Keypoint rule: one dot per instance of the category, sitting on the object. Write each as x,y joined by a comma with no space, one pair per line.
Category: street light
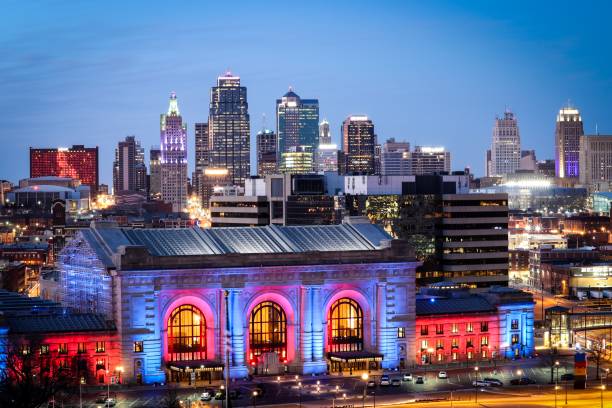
603,387
556,388
254,397
364,377
476,391
300,392
81,382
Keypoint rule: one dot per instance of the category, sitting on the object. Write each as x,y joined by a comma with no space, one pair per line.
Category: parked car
206,396
407,377
567,377
419,380
480,383
220,395
522,381
384,380
396,382
494,382
442,375
371,384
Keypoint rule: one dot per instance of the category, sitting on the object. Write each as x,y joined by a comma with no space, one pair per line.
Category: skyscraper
77,162
358,143
429,160
202,153
395,158
506,146
129,170
297,124
155,172
596,162
229,128
266,152
324,132
567,142
174,157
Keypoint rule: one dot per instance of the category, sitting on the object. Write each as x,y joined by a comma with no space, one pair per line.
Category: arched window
186,334
345,325
268,330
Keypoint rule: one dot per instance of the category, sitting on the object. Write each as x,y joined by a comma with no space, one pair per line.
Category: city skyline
100,80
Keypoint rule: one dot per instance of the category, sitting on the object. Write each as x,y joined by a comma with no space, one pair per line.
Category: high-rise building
429,160
77,162
155,172
506,146
297,123
129,170
395,158
488,164
528,160
567,142
266,152
324,133
229,128
298,160
596,162
358,143
174,157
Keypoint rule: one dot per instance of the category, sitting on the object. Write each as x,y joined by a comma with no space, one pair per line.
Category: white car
384,380
442,375
407,377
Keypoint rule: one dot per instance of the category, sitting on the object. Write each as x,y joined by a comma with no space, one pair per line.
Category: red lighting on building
78,162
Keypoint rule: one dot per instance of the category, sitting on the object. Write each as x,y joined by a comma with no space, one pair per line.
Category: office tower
155,172
298,160
358,143
266,152
324,133
395,158
77,162
528,160
174,157
326,158
297,123
429,160
377,158
129,170
202,154
596,162
546,167
567,142
506,146
229,128
488,164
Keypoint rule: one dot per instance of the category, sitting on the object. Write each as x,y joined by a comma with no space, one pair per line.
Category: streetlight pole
81,382
254,398
476,369
300,392
603,387
364,377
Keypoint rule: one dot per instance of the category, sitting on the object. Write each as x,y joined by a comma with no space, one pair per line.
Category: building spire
173,109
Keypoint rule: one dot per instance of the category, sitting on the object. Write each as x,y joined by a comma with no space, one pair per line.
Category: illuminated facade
596,162
77,162
429,160
568,131
229,128
129,170
358,144
297,123
175,291
174,157
154,172
266,152
297,160
457,327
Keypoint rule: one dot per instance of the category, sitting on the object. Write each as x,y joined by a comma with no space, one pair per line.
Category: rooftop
453,305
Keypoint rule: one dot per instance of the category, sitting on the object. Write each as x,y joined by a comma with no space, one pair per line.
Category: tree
29,379
171,399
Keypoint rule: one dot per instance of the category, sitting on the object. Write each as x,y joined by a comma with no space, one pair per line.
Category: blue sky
431,72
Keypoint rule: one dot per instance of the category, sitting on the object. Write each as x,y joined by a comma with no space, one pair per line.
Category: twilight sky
429,72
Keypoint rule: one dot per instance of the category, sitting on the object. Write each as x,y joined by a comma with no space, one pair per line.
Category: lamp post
254,397
364,377
300,391
556,388
603,387
81,382
557,368
476,392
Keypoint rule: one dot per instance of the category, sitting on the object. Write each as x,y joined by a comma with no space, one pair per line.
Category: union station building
258,300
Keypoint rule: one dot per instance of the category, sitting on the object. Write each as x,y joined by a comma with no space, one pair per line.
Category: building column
384,340
237,367
305,324
317,325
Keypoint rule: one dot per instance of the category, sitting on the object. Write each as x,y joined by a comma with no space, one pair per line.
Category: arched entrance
267,337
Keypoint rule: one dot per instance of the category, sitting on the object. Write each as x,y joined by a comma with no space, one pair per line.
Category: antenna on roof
596,129
263,121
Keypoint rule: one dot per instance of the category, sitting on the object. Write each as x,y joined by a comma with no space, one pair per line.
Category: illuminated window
515,339
100,364
440,357
268,330
470,355
515,324
424,330
439,329
100,347
44,349
483,353
424,344
81,348
484,326
345,326
138,347
62,348
455,342
440,344
401,332
25,349
455,356
484,341
186,334
469,327
455,328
